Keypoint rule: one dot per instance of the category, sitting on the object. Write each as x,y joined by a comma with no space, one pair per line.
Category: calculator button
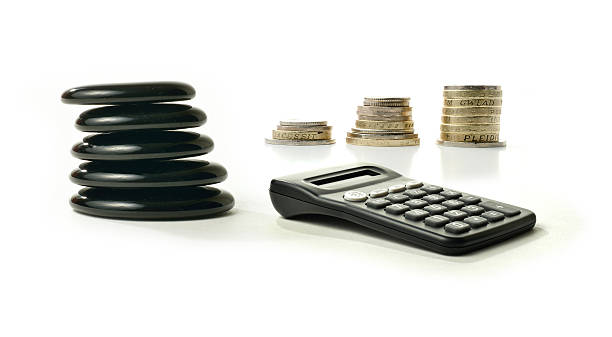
505,210
355,196
435,209
432,189
473,209
434,198
413,184
470,199
453,204
397,198
397,209
416,214
415,194
377,203
436,221
457,227
381,192
455,215
416,203
475,221
448,194
492,215
397,188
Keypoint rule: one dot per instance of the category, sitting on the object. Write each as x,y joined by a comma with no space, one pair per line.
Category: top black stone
128,93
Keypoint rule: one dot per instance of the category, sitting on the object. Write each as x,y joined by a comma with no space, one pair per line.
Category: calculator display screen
333,178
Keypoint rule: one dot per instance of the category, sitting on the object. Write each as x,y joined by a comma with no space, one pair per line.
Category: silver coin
302,122
303,128
472,87
384,118
382,136
382,131
462,144
300,142
384,110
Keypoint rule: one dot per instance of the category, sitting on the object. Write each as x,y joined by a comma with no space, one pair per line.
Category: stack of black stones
133,170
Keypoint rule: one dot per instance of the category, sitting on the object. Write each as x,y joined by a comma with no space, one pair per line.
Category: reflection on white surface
469,163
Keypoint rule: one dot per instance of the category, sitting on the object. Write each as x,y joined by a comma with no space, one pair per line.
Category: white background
253,273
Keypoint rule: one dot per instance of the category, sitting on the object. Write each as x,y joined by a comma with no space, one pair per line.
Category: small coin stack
385,121
301,132
471,115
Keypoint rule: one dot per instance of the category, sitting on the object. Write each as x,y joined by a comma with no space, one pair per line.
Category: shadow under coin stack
302,132
471,116
133,169
384,122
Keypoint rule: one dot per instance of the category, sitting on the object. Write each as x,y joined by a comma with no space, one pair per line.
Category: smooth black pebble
122,93
152,203
140,117
148,173
138,145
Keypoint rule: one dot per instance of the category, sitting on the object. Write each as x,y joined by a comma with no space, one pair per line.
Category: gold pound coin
382,142
366,124
300,142
472,102
470,119
471,93
301,135
387,101
461,144
472,87
469,128
382,135
471,111
470,137
384,110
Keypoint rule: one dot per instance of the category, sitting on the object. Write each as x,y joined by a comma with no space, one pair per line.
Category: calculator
433,217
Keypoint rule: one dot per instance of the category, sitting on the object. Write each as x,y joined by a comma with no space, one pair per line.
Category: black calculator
443,220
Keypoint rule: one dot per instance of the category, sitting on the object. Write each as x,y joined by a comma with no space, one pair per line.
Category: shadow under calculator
327,226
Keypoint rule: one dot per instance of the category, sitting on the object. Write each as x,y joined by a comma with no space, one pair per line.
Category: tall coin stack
471,116
301,132
384,121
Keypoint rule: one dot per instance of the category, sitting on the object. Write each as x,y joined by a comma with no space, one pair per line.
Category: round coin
300,142
469,128
382,131
471,111
302,122
472,87
467,137
461,144
470,119
384,118
472,102
471,93
385,110
366,124
303,128
382,135
301,135
382,142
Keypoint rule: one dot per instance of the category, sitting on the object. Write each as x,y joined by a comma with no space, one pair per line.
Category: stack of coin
385,121
471,115
301,132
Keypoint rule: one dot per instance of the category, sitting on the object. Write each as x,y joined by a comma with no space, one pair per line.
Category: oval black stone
122,93
136,145
152,203
148,173
139,117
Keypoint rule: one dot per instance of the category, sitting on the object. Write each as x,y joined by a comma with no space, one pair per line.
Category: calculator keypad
435,207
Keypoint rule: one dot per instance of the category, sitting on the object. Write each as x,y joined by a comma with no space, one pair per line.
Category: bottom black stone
152,203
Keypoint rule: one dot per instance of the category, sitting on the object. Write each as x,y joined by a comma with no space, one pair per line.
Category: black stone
148,173
136,145
140,116
122,93
152,203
